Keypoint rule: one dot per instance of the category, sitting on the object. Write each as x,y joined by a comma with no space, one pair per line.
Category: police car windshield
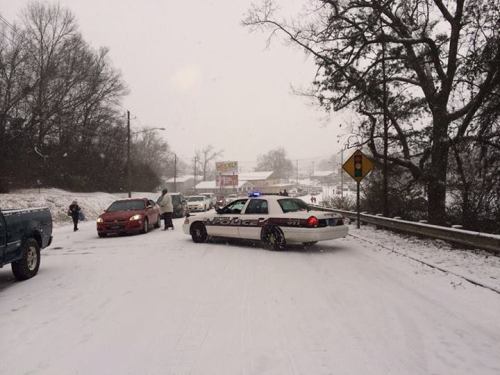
127,205
292,205
195,199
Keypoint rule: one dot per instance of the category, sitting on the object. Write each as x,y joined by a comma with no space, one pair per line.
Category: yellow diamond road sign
358,165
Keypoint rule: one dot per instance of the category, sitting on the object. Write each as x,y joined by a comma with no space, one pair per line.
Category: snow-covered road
160,304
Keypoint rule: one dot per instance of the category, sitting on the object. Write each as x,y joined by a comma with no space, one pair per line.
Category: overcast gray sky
193,69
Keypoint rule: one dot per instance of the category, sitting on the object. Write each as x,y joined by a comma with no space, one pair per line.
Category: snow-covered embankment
58,201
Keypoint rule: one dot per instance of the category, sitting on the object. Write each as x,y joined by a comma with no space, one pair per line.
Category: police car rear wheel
199,232
273,238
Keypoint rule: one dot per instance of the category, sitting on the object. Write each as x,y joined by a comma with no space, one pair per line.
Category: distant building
324,177
260,180
181,184
247,181
211,187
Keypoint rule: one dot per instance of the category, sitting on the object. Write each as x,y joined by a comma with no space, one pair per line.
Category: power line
9,25
4,20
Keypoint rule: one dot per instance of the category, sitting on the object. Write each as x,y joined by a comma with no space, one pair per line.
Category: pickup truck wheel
198,232
102,235
28,265
273,237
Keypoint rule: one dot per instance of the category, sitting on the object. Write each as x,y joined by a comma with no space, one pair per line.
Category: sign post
358,166
227,172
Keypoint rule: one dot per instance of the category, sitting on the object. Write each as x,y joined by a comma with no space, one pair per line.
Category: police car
274,220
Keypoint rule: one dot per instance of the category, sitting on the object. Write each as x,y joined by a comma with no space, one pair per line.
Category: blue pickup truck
23,233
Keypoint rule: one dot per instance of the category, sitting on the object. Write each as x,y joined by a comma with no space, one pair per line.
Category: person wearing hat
74,212
166,209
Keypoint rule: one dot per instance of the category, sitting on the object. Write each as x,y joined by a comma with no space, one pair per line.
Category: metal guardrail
477,240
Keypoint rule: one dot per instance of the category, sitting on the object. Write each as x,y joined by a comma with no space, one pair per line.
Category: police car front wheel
199,232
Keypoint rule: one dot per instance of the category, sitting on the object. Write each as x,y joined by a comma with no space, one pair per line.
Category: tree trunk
436,180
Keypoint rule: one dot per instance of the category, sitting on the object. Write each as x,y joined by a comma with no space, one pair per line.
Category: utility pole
386,146
195,161
175,172
128,155
341,172
297,173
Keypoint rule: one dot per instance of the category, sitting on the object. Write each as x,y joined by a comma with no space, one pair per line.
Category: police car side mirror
219,210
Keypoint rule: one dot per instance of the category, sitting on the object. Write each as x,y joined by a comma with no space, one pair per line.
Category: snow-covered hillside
58,200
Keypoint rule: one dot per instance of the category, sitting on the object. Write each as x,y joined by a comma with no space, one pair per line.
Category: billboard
227,181
227,173
226,168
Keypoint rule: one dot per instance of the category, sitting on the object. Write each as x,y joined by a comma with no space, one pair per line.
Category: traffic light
358,165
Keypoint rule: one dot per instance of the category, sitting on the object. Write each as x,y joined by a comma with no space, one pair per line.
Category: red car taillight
312,222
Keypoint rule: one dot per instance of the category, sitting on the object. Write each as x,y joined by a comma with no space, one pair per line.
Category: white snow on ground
160,304
476,265
58,201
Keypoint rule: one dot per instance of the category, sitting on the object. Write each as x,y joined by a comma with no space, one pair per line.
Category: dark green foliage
406,197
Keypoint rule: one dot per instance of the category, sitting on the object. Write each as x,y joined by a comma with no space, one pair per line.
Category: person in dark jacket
285,193
74,212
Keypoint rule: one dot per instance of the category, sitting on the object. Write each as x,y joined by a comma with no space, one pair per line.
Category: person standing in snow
74,212
166,209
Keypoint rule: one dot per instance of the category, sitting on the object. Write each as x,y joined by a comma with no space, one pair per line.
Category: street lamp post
128,155
175,172
129,134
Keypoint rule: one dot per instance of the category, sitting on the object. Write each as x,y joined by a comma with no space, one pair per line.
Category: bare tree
276,161
205,156
442,59
149,149
58,100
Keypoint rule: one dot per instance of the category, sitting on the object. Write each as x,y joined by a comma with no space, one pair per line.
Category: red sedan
129,216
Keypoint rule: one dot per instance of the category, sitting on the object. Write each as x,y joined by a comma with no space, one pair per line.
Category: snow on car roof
131,199
271,197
